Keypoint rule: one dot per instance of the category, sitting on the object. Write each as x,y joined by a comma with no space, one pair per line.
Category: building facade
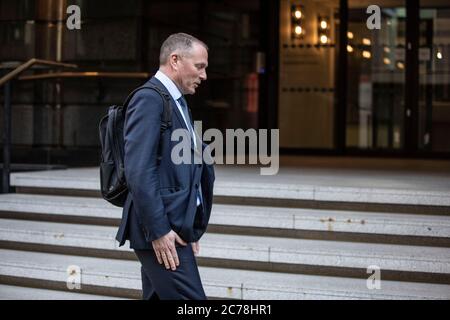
311,68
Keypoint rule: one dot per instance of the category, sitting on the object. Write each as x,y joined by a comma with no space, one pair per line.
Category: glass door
434,76
376,77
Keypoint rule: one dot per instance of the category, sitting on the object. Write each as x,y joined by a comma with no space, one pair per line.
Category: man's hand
165,249
195,247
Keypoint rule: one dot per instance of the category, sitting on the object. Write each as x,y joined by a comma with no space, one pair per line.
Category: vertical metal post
7,138
341,83
411,130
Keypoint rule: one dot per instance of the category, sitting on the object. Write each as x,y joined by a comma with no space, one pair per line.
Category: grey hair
178,41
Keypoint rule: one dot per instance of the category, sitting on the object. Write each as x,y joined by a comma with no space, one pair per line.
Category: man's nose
203,76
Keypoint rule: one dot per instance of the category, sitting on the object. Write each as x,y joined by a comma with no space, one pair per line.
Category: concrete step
26,293
397,262
415,229
122,278
290,187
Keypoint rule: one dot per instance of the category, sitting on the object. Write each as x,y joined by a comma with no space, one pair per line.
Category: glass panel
308,55
17,29
434,71
376,73
231,29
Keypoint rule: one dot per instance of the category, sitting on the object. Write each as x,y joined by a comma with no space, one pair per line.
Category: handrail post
6,80
6,138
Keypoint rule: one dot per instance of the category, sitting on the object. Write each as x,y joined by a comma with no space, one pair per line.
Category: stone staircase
269,238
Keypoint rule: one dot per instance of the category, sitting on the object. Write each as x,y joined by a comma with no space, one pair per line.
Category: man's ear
173,60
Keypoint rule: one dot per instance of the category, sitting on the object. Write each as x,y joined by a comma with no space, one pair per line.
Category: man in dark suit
169,205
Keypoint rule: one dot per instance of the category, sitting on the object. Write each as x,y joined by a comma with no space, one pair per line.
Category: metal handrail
88,74
6,80
11,75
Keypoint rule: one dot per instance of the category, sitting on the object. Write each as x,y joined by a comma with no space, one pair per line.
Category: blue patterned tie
183,105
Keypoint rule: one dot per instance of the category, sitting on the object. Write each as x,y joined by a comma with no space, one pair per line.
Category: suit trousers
158,283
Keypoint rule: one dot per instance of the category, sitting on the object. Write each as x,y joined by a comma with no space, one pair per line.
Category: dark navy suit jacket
162,195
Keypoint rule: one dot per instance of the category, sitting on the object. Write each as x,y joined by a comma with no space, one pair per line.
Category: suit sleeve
141,135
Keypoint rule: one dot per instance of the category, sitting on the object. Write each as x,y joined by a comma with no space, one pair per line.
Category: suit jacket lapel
175,109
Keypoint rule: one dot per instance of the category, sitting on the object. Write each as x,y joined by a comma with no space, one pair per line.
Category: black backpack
113,185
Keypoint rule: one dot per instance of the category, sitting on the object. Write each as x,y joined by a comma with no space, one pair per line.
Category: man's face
192,69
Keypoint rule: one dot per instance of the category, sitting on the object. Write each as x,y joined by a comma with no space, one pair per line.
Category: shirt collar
169,84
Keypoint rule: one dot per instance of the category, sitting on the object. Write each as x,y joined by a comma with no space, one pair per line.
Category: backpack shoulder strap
167,110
